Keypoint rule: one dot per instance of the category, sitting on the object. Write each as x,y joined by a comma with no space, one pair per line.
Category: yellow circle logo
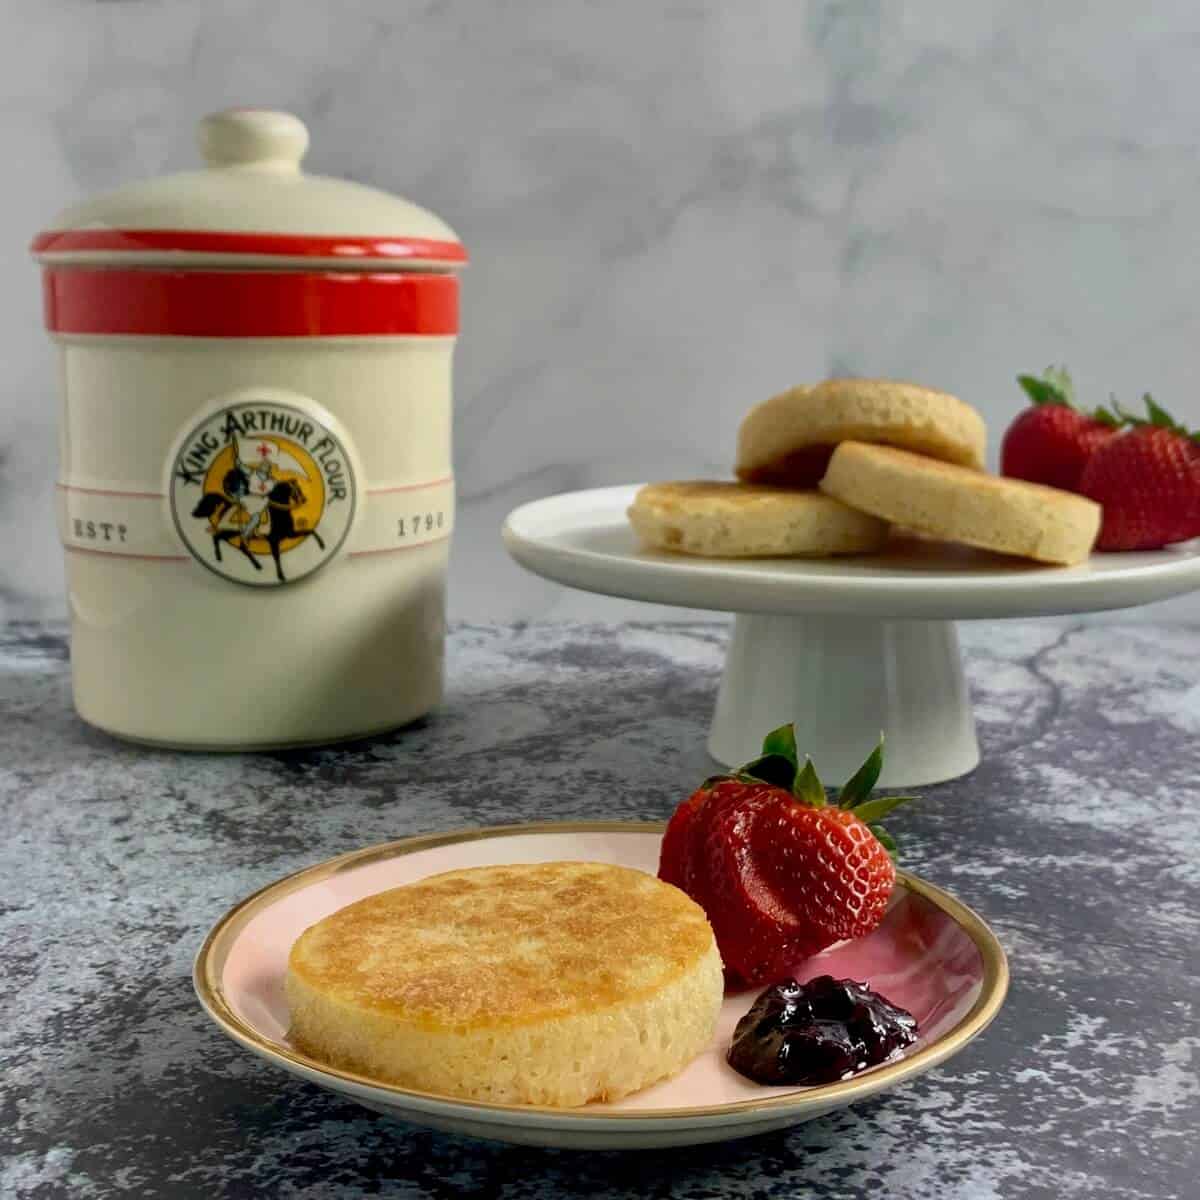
262,493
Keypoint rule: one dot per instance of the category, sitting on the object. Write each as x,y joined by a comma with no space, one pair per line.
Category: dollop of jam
818,1032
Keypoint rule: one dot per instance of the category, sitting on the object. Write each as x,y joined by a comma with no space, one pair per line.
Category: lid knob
253,137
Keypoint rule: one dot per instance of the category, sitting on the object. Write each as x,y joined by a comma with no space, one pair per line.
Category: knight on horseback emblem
257,503
267,482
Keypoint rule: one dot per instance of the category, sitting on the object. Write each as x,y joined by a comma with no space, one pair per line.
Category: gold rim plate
210,961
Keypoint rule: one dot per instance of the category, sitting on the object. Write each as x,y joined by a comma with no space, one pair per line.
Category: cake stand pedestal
843,680
844,648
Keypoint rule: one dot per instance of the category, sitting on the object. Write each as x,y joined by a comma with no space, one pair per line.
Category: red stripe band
155,303
289,245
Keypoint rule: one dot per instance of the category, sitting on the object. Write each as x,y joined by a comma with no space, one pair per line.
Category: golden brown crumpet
961,505
551,983
788,439
717,519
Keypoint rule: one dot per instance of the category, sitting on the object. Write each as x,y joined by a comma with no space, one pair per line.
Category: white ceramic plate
584,540
932,955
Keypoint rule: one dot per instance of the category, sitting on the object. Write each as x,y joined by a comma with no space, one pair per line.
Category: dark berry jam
818,1032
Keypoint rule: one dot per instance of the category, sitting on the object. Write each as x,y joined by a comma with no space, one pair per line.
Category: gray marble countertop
1077,839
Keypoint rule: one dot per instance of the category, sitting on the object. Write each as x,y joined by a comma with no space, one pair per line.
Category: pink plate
931,955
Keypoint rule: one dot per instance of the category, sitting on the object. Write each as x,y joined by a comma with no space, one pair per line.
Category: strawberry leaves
886,840
1055,386
864,779
775,769
877,808
808,788
856,796
782,741
1156,417
1159,416
779,765
779,761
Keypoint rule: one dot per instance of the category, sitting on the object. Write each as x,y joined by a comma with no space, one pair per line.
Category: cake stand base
887,661
843,681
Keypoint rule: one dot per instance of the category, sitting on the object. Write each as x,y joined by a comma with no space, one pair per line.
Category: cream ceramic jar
256,493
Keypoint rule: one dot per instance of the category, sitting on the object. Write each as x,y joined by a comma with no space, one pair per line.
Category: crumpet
788,439
718,519
960,505
546,983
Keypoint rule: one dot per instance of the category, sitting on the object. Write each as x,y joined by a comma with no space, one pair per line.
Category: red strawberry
780,872
1148,483
683,859
1052,441
845,891
753,925
673,857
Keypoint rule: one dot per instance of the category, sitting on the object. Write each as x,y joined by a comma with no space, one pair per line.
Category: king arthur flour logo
262,492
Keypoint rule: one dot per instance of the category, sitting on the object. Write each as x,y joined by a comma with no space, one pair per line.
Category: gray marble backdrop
673,210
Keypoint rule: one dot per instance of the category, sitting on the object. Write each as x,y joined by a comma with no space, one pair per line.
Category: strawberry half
752,923
683,857
674,855
1148,483
1052,441
780,871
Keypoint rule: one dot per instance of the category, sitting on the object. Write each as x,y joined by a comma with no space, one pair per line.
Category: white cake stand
845,647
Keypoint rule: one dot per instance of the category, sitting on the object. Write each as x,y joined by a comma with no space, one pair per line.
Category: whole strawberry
780,871
1148,483
1052,441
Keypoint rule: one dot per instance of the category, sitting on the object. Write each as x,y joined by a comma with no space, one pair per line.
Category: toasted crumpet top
1011,516
920,467
495,947
778,437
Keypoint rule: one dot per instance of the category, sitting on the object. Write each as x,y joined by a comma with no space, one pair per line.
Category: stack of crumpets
827,470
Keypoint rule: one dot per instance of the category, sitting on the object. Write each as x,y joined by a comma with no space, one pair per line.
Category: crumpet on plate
960,505
717,519
788,439
545,983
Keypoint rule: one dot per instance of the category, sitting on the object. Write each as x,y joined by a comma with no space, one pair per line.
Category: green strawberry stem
864,779
876,808
779,761
886,840
779,765
808,786
1156,417
1055,386
774,769
781,741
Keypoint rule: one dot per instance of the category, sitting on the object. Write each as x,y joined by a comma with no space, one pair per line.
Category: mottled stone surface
1076,839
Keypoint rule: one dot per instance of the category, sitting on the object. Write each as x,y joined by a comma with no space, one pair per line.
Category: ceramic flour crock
256,494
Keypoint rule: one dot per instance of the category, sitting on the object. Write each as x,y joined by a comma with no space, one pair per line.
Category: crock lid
251,206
